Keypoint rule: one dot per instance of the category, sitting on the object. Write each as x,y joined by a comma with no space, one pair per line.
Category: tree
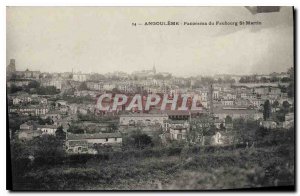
142,140
47,90
82,86
228,120
60,134
33,84
285,79
75,129
263,79
13,89
47,121
222,127
291,86
267,110
286,105
203,126
242,80
113,127
220,80
47,149
102,148
275,104
274,79
290,89
244,130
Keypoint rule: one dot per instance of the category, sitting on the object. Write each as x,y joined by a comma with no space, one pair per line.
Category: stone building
143,119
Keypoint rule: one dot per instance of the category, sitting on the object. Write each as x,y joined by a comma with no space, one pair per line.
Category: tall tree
228,120
267,110
275,104
60,134
286,105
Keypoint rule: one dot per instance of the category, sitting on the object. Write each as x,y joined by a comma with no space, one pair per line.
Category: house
216,139
215,94
53,116
227,102
28,134
221,139
19,83
60,103
143,119
237,112
82,110
96,127
177,130
25,111
57,83
204,104
242,103
65,123
268,124
178,114
84,143
257,102
289,120
21,99
204,95
80,77
229,96
47,129
31,74
94,86
79,147
218,122
275,91
43,101
41,110
73,108
261,90
26,126
109,86
31,110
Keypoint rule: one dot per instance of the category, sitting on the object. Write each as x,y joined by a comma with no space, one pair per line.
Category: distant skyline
102,40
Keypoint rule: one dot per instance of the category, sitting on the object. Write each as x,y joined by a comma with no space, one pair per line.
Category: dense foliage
270,162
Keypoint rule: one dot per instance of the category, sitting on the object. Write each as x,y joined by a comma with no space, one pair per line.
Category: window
116,139
106,139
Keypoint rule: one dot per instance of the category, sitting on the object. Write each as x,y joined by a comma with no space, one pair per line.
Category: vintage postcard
150,98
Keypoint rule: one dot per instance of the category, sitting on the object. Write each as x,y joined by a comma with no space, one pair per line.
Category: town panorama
116,125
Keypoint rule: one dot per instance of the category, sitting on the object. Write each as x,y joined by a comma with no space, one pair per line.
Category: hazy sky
102,39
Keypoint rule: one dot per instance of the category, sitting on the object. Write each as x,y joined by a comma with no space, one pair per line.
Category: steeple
153,69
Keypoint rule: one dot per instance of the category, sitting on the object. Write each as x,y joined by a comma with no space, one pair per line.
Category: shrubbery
270,162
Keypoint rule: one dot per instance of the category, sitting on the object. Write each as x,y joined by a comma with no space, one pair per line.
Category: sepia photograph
193,98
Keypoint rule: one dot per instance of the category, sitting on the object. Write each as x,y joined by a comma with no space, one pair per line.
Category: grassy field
166,168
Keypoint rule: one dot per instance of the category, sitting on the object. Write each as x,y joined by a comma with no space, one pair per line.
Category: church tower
153,69
11,67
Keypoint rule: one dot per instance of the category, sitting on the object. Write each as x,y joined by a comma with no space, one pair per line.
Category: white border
5,3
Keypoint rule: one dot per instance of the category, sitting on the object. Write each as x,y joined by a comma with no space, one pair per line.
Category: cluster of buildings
65,109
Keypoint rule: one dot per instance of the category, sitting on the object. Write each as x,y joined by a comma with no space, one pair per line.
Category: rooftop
143,115
93,136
